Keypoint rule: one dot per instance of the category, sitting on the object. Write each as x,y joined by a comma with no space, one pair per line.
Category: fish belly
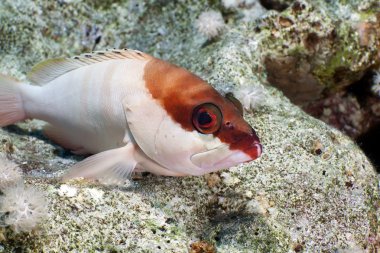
86,104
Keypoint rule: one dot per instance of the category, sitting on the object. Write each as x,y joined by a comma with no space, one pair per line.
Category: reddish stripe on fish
180,91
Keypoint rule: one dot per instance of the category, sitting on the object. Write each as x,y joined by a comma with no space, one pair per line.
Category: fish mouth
254,151
238,157
223,157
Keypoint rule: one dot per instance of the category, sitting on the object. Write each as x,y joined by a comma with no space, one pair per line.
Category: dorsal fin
48,70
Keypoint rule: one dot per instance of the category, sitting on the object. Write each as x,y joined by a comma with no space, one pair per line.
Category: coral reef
319,51
312,189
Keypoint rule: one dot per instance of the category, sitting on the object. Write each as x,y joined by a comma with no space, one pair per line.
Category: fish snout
249,144
255,148
254,151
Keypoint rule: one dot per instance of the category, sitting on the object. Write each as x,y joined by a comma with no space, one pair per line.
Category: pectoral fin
110,167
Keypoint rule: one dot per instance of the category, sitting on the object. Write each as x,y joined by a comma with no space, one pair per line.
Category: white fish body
89,101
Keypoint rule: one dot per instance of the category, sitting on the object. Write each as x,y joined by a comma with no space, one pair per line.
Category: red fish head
238,142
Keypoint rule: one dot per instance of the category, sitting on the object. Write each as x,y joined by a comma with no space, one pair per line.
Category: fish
131,112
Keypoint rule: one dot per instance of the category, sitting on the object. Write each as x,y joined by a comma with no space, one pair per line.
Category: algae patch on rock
312,190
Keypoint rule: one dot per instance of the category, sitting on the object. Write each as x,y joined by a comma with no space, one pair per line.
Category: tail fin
11,105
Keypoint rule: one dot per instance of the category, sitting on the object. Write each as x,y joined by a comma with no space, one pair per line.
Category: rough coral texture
321,47
312,190
343,112
10,173
320,51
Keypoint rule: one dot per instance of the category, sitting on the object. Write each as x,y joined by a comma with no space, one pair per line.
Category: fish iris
207,118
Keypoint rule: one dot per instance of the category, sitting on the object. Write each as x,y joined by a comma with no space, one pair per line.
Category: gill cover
158,135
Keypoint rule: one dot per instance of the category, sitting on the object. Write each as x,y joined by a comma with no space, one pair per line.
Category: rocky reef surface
313,189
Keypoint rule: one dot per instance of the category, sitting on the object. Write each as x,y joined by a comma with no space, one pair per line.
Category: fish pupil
204,119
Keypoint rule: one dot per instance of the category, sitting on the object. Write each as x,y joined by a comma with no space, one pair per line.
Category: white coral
22,208
251,97
210,23
10,173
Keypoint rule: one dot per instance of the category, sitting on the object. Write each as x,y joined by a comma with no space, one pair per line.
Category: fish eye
207,118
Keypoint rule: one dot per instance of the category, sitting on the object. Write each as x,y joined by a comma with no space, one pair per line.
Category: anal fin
113,166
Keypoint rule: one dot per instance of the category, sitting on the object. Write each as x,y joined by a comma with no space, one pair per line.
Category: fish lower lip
236,158
247,155
210,160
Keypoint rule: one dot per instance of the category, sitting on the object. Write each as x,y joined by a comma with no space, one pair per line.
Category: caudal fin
11,107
